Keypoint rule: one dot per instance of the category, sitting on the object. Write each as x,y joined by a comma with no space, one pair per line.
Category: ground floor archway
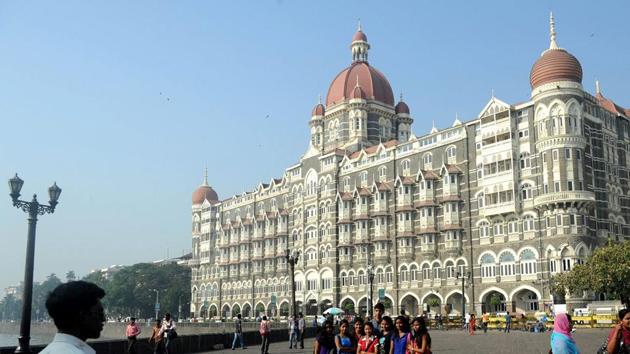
409,304
324,305
453,304
432,304
247,310
272,310
214,311
225,312
493,301
525,301
284,309
311,307
236,309
348,305
260,310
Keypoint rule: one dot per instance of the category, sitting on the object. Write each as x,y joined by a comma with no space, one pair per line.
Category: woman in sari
561,340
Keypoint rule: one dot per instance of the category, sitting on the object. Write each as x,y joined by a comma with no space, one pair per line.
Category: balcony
270,253
404,201
257,254
345,259
428,248
311,241
381,232
380,208
405,228
344,240
361,212
453,246
498,209
344,214
283,228
425,195
577,199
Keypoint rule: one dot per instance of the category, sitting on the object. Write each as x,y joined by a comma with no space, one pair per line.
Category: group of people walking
381,335
162,335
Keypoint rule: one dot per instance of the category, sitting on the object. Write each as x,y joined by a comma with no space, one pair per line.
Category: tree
40,294
10,308
607,271
70,276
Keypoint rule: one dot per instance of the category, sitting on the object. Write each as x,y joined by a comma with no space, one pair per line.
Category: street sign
381,294
157,306
273,299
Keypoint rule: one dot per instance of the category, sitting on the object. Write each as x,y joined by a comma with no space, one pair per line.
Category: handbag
621,348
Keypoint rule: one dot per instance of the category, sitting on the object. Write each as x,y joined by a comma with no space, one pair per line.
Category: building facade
486,210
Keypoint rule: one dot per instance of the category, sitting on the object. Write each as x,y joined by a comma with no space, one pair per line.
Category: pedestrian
471,325
156,338
508,322
301,328
368,343
379,309
315,324
325,340
76,309
485,320
400,336
619,337
168,333
385,341
293,332
357,334
420,340
561,340
238,332
133,330
344,341
264,329
466,321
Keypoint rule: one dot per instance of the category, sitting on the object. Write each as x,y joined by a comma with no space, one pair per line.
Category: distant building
15,291
512,196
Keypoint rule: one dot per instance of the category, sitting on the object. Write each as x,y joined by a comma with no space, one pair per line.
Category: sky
123,103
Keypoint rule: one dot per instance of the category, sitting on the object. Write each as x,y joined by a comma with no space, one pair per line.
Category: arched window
506,263
526,191
528,223
484,229
404,274
389,277
528,262
450,269
480,200
427,159
362,278
405,167
451,152
344,279
379,276
426,272
436,271
487,266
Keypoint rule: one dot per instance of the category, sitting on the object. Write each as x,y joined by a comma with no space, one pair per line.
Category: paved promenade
456,341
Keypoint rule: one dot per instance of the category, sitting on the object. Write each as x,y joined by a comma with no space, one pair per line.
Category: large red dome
555,65
204,192
372,82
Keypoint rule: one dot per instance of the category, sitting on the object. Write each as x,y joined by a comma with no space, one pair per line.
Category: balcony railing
568,197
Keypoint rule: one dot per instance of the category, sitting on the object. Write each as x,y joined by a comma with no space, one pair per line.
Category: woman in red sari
471,324
367,343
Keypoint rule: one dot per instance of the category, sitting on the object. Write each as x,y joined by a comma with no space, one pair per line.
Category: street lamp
370,274
461,276
33,208
179,309
292,258
157,302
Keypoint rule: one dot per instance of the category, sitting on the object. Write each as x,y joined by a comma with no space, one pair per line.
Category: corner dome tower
204,192
372,82
555,64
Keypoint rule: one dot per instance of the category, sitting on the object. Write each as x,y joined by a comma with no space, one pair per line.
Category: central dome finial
552,32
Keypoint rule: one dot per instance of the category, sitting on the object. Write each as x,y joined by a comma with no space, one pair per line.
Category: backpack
263,329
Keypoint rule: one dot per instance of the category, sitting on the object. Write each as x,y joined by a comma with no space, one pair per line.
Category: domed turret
319,110
373,83
555,64
204,192
402,108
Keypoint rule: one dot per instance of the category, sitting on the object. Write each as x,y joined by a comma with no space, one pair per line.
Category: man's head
133,320
238,316
167,316
76,308
300,314
379,309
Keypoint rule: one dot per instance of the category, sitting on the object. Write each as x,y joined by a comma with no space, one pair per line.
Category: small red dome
373,83
555,65
402,107
204,192
359,36
357,92
318,110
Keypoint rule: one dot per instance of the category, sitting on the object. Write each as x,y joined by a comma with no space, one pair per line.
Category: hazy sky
123,103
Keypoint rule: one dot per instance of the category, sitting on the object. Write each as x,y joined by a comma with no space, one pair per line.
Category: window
526,191
558,220
578,154
479,171
484,229
487,266
566,264
555,155
528,223
480,200
427,159
556,186
570,185
544,157
364,178
327,283
552,266
506,264
525,161
382,173
567,153
450,152
498,229
528,262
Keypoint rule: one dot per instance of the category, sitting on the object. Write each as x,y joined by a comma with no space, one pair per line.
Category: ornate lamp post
157,302
370,274
33,208
461,276
292,258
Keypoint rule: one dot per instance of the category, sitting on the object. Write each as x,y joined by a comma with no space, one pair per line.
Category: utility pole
292,258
